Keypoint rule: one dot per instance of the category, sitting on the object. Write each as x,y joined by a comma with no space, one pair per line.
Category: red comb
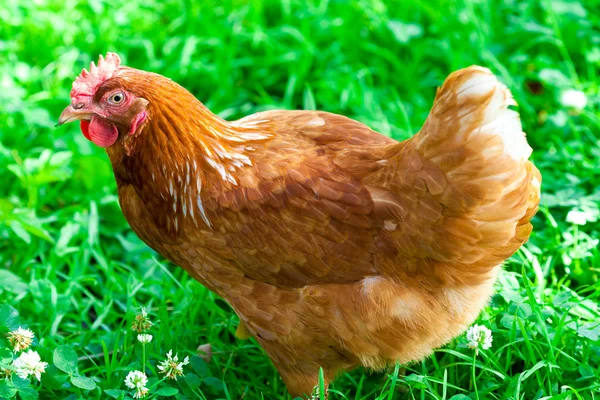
87,82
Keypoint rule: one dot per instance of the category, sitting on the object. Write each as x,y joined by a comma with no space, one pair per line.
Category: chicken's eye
116,98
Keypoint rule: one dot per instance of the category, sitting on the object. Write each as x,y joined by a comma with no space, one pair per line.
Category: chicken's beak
74,113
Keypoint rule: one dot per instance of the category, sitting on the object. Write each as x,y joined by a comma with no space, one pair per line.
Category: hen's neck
184,137
182,149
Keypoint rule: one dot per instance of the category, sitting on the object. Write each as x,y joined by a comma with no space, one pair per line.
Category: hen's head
105,103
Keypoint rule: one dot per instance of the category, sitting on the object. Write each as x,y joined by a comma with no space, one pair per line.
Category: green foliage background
76,274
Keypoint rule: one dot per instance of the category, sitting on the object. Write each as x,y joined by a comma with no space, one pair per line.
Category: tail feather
469,166
477,140
470,105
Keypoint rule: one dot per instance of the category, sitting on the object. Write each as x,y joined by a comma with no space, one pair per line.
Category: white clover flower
144,338
29,363
171,367
137,380
141,323
479,335
573,99
20,339
577,217
315,393
5,373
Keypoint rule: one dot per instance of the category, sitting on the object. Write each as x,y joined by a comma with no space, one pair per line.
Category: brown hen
335,245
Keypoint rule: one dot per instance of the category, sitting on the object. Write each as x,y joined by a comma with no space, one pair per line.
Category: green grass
77,275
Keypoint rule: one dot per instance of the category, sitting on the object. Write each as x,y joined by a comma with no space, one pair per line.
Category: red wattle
85,129
102,132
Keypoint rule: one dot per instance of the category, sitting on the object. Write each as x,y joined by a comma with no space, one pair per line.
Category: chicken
335,245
